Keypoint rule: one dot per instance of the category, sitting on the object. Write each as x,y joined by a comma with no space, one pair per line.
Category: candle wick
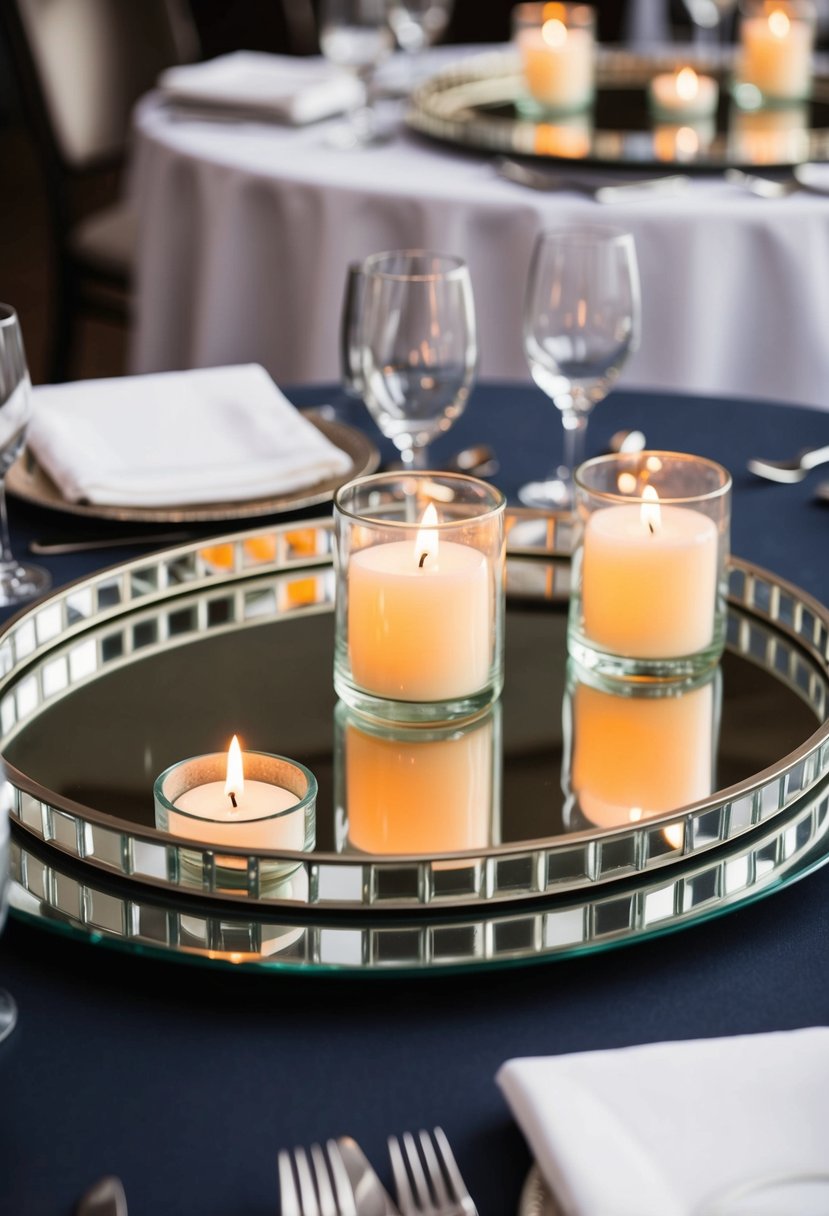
423,557
233,801
651,528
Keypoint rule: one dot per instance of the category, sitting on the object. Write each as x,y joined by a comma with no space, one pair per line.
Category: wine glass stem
6,555
575,430
416,457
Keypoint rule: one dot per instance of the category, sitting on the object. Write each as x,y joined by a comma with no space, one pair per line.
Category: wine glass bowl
418,346
581,322
8,1009
18,582
354,34
417,24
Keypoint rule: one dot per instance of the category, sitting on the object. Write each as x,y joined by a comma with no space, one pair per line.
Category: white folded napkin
660,1130
280,87
214,435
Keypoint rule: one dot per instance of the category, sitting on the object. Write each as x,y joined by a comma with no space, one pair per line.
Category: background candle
683,94
556,47
210,818
776,53
650,592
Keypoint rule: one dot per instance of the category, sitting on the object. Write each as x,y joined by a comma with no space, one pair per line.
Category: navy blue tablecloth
185,1081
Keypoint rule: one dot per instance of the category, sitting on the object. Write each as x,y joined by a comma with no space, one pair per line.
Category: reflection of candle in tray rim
557,62
406,794
682,143
683,94
767,137
255,821
571,136
775,54
420,617
637,756
649,579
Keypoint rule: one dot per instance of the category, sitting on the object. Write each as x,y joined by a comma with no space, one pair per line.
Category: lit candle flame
554,32
674,835
779,23
650,511
687,84
235,780
426,541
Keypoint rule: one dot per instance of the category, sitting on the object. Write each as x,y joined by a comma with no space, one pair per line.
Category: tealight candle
649,565
775,53
683,94
419,595
252,801
557,48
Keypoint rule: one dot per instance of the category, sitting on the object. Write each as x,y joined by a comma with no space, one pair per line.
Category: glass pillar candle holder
556,45
414,789
774,58
635,750
275,810
420,595
682,96
649,579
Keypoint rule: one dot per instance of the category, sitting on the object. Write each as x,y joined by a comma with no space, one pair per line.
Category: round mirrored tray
109,681
478,104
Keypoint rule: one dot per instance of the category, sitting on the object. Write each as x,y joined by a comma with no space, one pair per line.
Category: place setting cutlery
104,1198
788,472
555,182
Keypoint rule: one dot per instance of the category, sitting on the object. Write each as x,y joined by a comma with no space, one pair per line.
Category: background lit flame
779,23
554,32
650,512
235,781
426,540
687,84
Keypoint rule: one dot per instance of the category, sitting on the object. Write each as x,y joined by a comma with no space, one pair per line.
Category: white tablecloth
246,231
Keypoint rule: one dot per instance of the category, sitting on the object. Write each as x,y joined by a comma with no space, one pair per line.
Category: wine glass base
552,495
19,583
8,1014
346,136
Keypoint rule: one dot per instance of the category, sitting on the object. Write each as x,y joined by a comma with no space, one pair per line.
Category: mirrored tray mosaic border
455,105
174,597
51,890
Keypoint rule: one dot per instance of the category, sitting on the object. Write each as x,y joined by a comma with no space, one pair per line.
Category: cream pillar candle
776,54
557,61
683,94
420,617
649,579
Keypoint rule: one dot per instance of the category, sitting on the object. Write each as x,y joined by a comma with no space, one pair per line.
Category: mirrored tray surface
109,681
477,104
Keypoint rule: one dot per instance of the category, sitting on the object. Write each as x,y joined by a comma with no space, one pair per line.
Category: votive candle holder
556,46
773,65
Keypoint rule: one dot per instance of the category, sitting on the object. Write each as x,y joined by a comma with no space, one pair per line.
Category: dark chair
81,65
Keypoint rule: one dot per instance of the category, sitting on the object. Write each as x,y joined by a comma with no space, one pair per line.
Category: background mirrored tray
476,105
109,681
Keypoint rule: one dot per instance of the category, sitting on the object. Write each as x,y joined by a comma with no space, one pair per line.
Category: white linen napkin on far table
660,1130
280,87
217,434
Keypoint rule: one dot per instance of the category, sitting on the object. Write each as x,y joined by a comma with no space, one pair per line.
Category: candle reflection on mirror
636,751
416,790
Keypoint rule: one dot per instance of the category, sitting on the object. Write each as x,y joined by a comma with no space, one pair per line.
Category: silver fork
444,1193
318,1188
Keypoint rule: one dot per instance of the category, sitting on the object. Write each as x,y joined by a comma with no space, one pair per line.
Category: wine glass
18,582
8,1009
711,18
581,321
355,34
417,24
351,375
418,347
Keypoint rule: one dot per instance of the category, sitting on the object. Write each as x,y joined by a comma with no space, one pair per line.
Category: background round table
186,1081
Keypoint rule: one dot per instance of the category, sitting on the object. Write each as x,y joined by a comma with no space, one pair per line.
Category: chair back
84,63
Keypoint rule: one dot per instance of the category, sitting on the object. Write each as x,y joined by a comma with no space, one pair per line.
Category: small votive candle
420,595
683,95
649,564
556,44
774,58
251,801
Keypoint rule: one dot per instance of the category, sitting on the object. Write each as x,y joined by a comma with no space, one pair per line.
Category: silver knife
370,1196
543,179
105,1198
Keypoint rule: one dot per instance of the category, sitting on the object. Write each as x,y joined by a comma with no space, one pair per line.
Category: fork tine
421,1186
405,1198
455,1177
434,1171
288,1197
327,1205
307,1195
346,1203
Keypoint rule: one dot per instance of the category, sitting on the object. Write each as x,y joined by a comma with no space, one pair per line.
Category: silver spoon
105,1198
763,187
479,459
627,441
790,471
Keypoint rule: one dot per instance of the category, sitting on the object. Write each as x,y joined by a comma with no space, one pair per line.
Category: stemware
351,376
581,321
711,18
355,34
416,25
18,582
418,346
8,1009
